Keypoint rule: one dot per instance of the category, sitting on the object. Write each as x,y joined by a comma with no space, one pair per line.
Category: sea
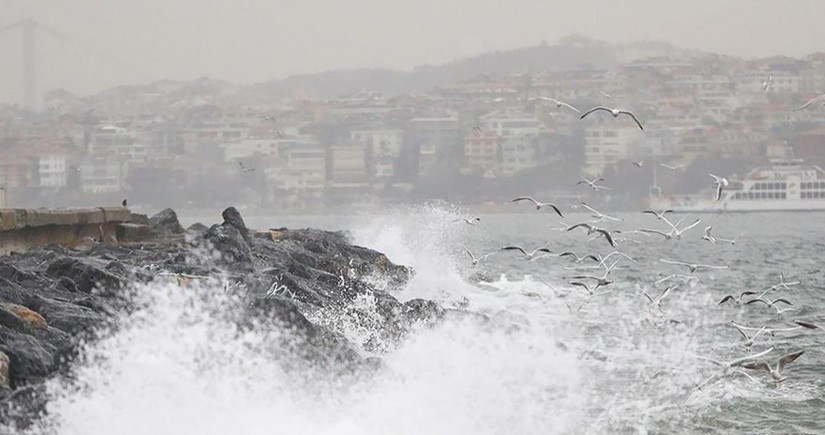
542,357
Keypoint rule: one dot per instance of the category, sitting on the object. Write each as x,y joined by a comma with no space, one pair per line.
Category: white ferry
786,185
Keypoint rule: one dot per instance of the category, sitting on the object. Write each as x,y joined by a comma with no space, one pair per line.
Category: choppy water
615,366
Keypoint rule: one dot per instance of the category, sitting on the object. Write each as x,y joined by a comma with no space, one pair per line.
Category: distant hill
573,53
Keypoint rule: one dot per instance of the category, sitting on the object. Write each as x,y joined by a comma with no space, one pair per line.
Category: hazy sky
254,40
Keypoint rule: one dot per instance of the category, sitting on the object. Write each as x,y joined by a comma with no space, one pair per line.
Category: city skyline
157,41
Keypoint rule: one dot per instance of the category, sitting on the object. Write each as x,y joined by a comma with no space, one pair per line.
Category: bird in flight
776,373
599,216
721,183
592,183
659,215
672,167
476,260
470,221
639,163
766,84
244,168
693,267
538,205
813,100
737,299
615,113
559,103
594,229
527,255
576,258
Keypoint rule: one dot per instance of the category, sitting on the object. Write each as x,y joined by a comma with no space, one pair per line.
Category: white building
103,174
302,168
608,143
51,170
246,148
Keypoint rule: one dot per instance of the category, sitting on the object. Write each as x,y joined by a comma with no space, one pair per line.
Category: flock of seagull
597,284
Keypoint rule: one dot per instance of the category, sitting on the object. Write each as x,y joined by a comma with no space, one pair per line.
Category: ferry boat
788,184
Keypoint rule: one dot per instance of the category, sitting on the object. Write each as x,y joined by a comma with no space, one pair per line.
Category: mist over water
525,365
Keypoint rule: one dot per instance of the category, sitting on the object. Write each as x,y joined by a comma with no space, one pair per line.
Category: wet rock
234,252
27,315
231,216
197,228
5,380
165,223
85,276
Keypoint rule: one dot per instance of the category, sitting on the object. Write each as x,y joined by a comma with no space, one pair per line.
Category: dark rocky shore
52,298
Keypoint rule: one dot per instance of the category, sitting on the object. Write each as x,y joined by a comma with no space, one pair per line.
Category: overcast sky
254,40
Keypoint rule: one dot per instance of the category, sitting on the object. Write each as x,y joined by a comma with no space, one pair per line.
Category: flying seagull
599,215
672,167
713,240
768,302
639,163
766,84
737,299
124,203
470,221
656,302
748,340
721,183
674,232
659,215
615,113
244,168
605,94
738,361
592,183
539,205
560,103
813,100
476,260
776,373
576,258
594,229
528,255
692,266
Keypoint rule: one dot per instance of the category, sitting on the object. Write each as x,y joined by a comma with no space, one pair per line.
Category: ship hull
702,205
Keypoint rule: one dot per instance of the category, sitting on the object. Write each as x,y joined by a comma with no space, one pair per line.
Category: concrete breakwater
24,229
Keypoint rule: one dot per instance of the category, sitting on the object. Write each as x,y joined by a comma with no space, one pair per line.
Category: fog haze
123,42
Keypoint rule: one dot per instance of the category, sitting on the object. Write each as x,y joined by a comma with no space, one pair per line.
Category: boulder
231,216
165,223
85,276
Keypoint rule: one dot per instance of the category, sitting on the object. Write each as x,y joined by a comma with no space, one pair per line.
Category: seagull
659,215
560,103
477,128
675,232
712,239
766,84
737,299
594,229
672,167
244,168
592,183
605,94
590,290
599,215
639,163
528,255
783,283
539,205
770,303
577,259
124,202
269,118
812,101
748,340
479,259
807,325
738,361
470,221
615,113
693,267
776,373
601,281
721,183
773,331
655,302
